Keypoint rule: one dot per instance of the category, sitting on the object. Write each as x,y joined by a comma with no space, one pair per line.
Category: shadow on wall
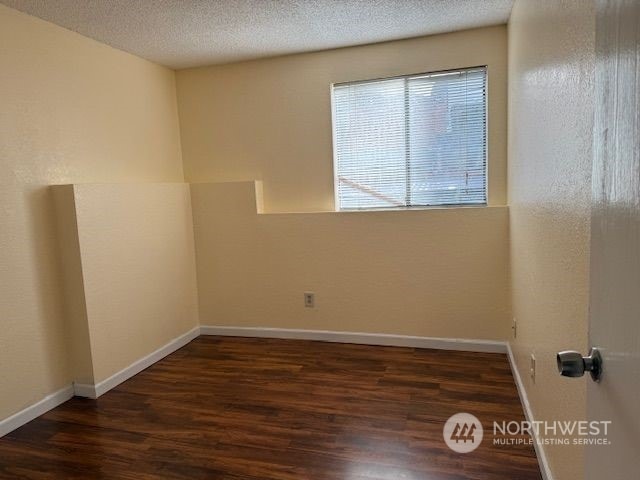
45,263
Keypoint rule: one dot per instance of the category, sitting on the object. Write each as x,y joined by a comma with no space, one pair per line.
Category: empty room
320,239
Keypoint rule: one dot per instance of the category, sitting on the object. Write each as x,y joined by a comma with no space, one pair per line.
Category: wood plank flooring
256,409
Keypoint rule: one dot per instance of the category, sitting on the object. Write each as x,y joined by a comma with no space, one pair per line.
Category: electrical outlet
309,299
514,327
532,368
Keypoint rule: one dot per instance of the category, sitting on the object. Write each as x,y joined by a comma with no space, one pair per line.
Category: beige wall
551,67
270,119
136,250
73,110
440,273
437,273
77,111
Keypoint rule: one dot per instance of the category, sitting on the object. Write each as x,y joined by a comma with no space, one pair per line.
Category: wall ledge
257,190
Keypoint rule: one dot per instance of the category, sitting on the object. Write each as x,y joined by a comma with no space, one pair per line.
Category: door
615,241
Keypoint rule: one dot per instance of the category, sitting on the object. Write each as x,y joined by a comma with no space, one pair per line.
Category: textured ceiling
188,33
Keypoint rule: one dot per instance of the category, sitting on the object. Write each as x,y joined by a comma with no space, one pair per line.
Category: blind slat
417,140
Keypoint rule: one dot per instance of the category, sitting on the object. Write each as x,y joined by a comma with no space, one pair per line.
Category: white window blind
411,141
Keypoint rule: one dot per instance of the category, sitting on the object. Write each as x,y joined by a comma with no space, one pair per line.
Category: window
411,141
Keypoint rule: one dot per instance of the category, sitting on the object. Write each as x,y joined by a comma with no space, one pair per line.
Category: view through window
411,141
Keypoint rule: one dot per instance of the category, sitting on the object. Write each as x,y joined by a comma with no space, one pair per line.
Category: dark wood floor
239,408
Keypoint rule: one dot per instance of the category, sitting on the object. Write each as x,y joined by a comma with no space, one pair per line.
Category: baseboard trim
383,339
86,390
34,411
528,413
95,391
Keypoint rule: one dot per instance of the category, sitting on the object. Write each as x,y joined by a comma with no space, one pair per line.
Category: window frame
410,207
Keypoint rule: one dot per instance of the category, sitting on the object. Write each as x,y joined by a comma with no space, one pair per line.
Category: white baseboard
463,344
43,406
528,413
86,390
94,391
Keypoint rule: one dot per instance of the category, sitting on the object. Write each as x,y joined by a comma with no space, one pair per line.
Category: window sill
391,211
409,209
